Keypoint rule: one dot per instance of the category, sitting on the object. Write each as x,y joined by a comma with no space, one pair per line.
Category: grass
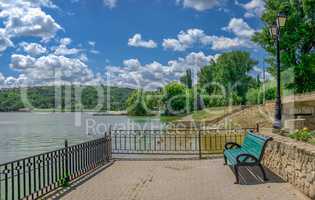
170,118
212,113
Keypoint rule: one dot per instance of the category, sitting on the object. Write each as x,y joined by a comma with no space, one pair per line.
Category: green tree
136,105
187,79
205,77
231,70
175,99
297,41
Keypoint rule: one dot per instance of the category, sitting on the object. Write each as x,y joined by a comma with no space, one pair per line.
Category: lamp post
275,33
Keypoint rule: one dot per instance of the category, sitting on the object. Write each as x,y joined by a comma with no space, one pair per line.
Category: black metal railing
175,141
35,176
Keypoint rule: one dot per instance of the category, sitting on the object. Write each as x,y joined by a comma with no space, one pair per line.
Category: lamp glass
281,20
273,31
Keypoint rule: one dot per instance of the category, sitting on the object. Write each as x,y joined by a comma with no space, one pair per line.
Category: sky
126,43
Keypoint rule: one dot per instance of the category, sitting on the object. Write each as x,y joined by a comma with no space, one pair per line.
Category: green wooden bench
249,153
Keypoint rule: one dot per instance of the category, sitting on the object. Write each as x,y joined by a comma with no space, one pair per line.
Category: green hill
64,98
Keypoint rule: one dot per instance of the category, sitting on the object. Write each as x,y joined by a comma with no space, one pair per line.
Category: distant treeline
64,98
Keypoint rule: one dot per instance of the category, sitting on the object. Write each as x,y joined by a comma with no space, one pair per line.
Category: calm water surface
26,134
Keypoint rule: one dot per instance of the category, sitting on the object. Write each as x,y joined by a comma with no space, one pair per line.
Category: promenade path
176,180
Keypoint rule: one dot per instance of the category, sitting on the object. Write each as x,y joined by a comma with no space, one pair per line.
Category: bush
174,99
136,105
256,96
213,101
302,135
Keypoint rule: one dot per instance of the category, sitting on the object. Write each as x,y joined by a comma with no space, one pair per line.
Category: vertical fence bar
66,169
199,138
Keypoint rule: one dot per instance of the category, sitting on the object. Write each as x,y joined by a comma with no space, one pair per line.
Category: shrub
302,135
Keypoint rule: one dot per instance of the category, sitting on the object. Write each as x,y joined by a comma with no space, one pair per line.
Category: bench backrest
255,144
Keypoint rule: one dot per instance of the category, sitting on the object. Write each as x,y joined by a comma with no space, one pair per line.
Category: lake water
26,134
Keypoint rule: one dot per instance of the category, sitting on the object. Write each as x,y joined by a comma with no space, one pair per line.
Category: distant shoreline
95,113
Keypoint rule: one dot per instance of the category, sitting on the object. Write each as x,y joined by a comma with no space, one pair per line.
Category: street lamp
275,33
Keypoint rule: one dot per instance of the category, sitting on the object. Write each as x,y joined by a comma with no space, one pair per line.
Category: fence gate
126,143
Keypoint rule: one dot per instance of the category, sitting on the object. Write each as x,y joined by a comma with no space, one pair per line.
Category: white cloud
199,5
92,47
132,64
63,49
21,61
137,41
240,28
5,41
186,39
34,49
92,43
23,19
2,79
191,37
110,3
47,69
254,8
154,74
221,43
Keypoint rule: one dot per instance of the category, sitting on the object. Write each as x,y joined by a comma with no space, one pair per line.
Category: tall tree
187,79
297,41
231,70
136,104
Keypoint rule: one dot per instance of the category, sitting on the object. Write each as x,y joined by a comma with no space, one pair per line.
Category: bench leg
263,172
236,174
225,160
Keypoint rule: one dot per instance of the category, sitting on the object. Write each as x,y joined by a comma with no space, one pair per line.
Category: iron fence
35,176
175,141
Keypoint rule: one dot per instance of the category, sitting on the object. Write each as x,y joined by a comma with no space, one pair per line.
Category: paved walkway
178,180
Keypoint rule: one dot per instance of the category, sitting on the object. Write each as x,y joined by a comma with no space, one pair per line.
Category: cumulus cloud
254,8
137,41
199,5
110,3
192,37
23,19
240,28
5,41
33,49
152,75
186,39
47,69
63,49
2,79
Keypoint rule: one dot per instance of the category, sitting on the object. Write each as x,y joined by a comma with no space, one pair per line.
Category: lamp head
281,20
273,31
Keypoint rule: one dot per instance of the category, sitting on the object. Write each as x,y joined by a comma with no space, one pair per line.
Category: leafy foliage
297,41
231,70
49,97
136,105
187,79
304,135
175,99
261,94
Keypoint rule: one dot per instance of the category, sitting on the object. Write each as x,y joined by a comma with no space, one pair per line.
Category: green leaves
297,40
136,105
230,71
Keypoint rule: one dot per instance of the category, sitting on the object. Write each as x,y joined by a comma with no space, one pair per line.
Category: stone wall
293,161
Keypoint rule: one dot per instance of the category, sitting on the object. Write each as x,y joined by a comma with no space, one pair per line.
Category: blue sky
129,42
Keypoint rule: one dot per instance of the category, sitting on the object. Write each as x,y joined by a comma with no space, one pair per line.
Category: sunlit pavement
177,180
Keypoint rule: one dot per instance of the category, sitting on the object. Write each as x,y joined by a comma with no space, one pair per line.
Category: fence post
67,175
199,138
109,145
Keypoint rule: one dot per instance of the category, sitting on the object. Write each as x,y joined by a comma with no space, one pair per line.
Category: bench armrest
231,145
247,157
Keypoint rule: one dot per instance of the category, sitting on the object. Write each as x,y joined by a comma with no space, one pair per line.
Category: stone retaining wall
293,161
